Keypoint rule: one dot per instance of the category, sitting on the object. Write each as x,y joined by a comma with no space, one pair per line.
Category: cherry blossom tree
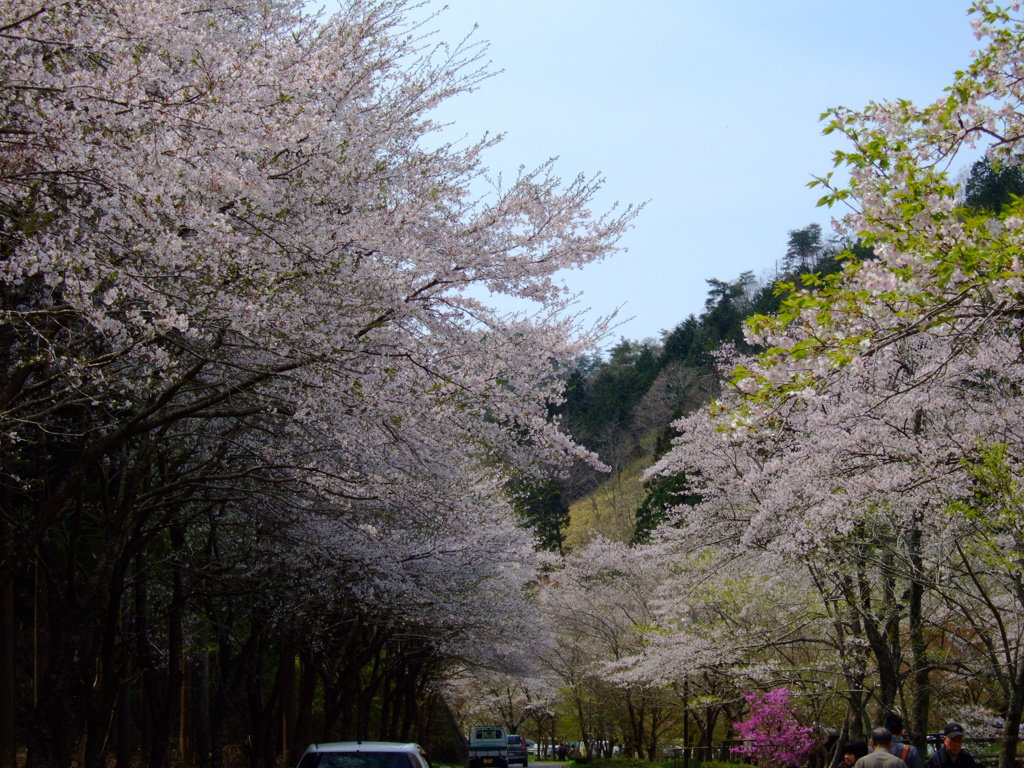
855,487
521,698
880,388
653,635
600,608
201,222
239,280
729,622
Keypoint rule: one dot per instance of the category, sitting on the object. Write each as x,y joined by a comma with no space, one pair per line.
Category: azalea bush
772,735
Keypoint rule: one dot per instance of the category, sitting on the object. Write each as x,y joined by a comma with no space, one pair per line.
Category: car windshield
488,733
357,760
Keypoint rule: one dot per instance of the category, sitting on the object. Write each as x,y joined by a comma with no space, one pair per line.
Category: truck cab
488,746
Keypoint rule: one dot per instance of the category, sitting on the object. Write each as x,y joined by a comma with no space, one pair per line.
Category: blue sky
708,111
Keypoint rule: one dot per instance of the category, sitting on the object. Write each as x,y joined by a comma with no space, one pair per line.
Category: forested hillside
621,404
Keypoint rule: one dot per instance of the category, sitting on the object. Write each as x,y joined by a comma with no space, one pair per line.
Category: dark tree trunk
304,719
883,635
286,675
221,699
258,663
204,744
918,645
52,736
652,736
1014,710
8,746
388,709
1015,706
123,756
411,695
110,679
187,729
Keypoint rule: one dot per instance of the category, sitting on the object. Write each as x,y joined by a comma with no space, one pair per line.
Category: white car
364,754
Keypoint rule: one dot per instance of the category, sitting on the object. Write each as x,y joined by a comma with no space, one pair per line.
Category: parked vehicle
517,750
488,747
673,750
364,754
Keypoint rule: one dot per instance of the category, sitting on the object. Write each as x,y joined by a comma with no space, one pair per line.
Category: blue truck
488,746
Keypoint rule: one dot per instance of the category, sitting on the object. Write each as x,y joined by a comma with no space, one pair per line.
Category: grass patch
610,509
632,762
611,762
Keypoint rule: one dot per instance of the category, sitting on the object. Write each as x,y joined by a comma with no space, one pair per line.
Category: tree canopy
251,411
882,416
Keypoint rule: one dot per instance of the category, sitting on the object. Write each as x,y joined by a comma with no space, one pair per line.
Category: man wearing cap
952,753
881,742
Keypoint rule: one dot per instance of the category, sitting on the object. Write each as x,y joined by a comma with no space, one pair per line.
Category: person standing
881,742
853,751
906,752
952,753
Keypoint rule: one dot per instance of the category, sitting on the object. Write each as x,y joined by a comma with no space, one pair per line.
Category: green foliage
728,304
678,343
996,508
606,393
992,186
609,508
727,308
613,762
631,762
662,492
542,507
804,246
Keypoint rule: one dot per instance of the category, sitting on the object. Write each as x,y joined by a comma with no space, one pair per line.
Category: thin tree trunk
652,740
918,646
123,754
187,729
204,745
1015,706
303,733
8,745
175,641
286,674
1014,710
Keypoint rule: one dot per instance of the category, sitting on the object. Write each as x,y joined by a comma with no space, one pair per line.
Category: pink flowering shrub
772,736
